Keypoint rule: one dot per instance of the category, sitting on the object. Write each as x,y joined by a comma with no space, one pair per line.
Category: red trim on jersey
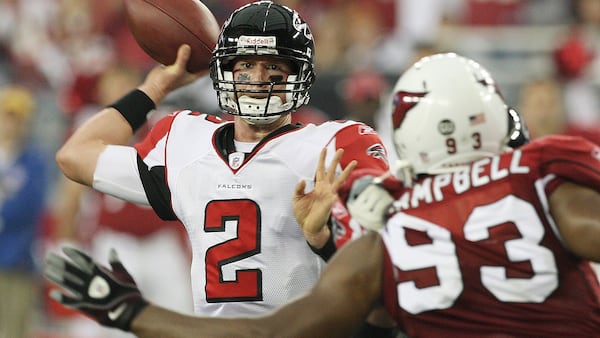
160,129
258,148
254,151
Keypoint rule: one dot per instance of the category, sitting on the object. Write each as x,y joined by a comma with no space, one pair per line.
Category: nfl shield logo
236,159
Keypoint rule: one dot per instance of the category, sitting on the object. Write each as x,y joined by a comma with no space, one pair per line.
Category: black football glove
109,297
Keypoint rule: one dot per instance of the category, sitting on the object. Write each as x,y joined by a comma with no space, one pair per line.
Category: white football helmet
448,112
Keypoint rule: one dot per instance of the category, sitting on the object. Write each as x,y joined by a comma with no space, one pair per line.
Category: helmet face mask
263,29
447,113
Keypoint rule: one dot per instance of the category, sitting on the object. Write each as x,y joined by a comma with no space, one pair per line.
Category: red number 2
247,285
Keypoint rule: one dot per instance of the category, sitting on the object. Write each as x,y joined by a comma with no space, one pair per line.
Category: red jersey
476,253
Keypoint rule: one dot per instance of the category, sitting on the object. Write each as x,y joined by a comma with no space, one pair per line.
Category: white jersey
249,253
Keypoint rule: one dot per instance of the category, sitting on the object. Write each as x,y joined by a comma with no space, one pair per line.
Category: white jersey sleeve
117,174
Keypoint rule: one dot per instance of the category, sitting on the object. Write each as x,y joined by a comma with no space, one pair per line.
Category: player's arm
577,215
115,125
347,290
574,203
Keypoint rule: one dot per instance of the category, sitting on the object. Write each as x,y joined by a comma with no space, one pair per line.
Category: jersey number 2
244,215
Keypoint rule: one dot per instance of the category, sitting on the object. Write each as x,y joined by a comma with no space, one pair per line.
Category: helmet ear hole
518,134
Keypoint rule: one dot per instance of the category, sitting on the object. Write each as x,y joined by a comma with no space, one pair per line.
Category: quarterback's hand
368,202
110,297
312,209
162,80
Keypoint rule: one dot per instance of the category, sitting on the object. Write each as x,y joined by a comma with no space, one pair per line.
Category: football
161,26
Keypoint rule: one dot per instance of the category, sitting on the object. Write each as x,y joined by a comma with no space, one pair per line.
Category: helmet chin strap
252,109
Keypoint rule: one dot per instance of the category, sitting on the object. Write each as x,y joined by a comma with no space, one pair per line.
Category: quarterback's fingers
321,165
183,55
333,165
344,175
299,191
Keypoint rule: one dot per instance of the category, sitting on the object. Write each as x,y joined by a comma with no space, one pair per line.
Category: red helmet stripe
403,102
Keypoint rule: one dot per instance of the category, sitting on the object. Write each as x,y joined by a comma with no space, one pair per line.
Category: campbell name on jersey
482,172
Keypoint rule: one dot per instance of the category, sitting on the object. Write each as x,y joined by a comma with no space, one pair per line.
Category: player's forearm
67,210
155,322
77,157
575,211
303,318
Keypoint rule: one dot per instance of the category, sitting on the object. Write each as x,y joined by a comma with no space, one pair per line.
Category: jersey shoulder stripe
160,129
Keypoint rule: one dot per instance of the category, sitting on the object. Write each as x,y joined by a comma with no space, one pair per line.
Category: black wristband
134,107
327,250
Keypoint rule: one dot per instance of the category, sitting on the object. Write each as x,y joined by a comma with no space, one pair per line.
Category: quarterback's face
263,69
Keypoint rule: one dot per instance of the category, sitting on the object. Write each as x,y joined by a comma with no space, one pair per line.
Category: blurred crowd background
66,58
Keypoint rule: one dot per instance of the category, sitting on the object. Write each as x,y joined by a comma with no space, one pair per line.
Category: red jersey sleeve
362,143
571,158
160,130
